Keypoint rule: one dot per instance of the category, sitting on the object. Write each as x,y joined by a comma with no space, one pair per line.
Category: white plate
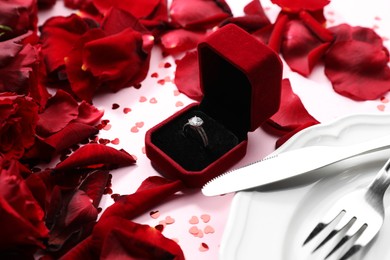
273,224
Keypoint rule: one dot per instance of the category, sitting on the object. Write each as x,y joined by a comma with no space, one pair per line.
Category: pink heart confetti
115,141
200,234
126,110
176,92
139,124
154,75
194,230
155,214
142,99
153,101
134,129
194,220
169,220
381,107
179,104
205,218
203,247
209,230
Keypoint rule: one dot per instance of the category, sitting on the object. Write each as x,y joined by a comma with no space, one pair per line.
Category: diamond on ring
196,123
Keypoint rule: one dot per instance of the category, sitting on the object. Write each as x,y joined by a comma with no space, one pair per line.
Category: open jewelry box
241,81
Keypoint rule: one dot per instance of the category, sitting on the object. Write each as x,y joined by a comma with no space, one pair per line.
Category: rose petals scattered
19,116
362,77
199,14
151,192
301,49
291,115
96,155
186,76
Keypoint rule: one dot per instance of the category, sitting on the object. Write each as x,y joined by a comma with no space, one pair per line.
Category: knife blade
288,164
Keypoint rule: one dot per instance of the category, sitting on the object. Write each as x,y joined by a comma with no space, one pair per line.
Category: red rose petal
361,77
199,14
140,9
298,5
92,155
58,35
301,49
291,115
72,134
187,76
21,218
94,185
151,192
180,40
59,111
80,209
88,114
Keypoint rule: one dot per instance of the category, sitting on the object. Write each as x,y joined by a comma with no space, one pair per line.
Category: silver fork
359,214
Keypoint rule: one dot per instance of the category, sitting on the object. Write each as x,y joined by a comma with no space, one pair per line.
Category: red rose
114,56
62,124
18,118
21,218
17,17
19,68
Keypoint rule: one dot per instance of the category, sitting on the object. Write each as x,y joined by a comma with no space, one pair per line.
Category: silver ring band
196,123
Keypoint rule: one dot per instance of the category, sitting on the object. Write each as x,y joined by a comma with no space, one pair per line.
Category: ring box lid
240,78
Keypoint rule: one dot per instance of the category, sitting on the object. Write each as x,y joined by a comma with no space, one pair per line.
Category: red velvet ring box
241,82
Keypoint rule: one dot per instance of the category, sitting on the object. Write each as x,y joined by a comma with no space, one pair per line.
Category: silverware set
357,217
351,223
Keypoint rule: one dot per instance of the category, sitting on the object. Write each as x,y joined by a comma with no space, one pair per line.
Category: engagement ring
196,123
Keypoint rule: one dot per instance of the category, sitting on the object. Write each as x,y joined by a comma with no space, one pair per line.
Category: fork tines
343,222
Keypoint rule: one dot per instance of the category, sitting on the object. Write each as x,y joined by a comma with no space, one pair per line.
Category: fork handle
379,185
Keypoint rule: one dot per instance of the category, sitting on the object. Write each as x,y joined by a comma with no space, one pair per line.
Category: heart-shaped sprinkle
161,82
176,92
154,75
194,220
203,247
153,101
115,141
179,104
169,220
381,107
200,234
126,110
194,230
205,218
134,129
142,99
209,230
155,214
159,227
139,124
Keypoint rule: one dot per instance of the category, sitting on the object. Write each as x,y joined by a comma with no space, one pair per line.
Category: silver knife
289,164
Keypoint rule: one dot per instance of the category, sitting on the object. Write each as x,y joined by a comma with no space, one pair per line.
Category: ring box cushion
241,81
